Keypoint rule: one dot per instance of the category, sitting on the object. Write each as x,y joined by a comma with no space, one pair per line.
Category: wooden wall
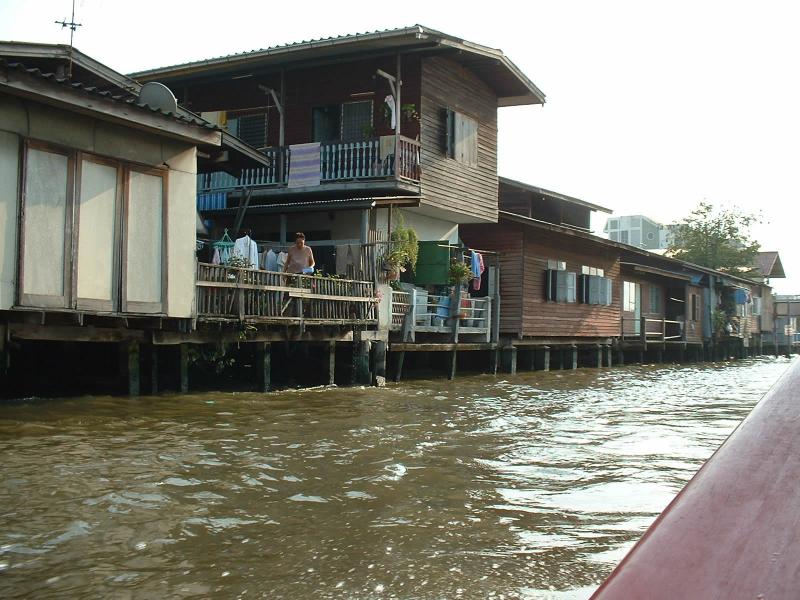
505,239
469,192
694,329
542,318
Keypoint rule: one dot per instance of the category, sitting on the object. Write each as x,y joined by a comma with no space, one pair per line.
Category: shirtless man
300,256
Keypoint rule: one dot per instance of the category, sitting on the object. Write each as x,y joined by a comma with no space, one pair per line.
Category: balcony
432,314
253,296
370,163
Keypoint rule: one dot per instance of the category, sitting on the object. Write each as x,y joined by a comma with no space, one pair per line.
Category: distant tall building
639,231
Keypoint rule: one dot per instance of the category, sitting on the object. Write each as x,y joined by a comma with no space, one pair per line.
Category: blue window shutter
572,281
594,289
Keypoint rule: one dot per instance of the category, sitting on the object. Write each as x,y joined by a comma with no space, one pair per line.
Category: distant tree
716,238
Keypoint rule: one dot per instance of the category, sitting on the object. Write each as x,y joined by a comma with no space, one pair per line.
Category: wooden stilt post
660,356
331,362
264,366
134,380
401,356
620,356
574,357
545,358
451,371
609,358
531,358
380,363
153,369
599,356
183,360
641,357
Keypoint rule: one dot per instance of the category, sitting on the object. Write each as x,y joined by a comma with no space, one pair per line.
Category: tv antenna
72,27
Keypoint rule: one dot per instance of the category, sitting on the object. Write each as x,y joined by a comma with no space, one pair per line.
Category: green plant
396,285
409,111
460,272
403,246
238,262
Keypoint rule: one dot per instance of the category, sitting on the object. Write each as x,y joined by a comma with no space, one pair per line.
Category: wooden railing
435,315
266,296
339,161
652,330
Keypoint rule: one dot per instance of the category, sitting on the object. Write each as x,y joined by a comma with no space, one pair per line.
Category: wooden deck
253,296
433,314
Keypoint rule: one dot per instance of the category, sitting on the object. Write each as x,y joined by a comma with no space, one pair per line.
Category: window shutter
608,293
449,133
571,286
594,289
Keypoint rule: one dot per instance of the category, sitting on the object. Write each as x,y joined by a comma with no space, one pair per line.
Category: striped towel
304,165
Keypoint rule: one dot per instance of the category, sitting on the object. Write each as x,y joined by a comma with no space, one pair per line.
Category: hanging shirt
216,259
271,260
247,248
282,258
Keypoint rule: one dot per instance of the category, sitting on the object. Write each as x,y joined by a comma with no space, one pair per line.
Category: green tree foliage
716,238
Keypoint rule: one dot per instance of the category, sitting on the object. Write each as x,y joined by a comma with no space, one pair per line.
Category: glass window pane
96,225
144,238
45,222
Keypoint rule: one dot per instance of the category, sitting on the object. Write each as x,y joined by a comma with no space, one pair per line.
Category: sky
652,107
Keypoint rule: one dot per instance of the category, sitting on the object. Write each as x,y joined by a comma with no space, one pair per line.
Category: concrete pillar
361,358
493,360
531,358
660,355
609,359
545,358
133,375
264,365
452,365
330,363
599,351
401,357
641,357
183,366
153,369
379,356
511,359
620,356
574,357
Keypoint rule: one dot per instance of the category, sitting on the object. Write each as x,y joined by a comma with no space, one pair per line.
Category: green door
433,263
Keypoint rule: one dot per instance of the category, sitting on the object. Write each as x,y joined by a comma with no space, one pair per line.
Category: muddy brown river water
485,487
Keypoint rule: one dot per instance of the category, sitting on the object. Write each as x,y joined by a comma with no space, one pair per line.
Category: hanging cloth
392,109
247,249
224,245
477,270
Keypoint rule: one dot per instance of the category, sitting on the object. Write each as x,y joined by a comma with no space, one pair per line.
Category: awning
321,205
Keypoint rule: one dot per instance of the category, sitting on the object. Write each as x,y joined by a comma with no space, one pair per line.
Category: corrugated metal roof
416,35
128,99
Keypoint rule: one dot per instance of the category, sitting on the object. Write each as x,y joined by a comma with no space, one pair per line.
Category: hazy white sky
651,106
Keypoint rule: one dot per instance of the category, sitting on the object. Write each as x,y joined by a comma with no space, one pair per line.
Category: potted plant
403,248
460,273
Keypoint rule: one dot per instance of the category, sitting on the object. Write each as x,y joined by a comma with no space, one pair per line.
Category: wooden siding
542,318
645,282
506,239
470,193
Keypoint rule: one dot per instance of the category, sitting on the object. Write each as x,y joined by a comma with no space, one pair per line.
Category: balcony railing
434,314
228,293
647,330
339,161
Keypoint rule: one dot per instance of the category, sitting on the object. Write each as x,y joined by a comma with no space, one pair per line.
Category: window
756,307
613,223
695,307
561,285
592,271
655,299
556,265
356,120
595,289
92,233
631,296
249,127
623,237
461,138
326,123
614,236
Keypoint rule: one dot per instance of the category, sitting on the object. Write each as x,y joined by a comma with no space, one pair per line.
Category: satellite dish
159,96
